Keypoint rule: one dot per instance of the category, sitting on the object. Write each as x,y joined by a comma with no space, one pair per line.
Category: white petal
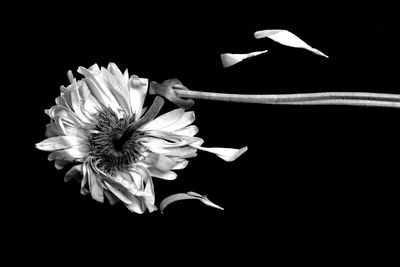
137,90
84,191
183,152
137,205
76,153
162,174
229,59
287,38
164,120
59,142
98,87
189,195
95,186
227,154
186,119
159,161
118,89
191,131
120,192
180,163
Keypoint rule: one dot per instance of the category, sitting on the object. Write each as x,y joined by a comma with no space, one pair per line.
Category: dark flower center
113,144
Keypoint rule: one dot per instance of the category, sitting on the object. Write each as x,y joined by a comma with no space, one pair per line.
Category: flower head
99,124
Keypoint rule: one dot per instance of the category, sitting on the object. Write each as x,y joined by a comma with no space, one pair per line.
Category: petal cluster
162,145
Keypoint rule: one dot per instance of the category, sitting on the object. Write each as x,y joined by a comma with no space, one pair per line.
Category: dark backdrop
318,179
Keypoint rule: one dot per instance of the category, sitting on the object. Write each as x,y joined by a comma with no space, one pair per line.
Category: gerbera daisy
99,124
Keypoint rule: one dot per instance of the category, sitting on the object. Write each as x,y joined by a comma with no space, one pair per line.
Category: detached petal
287,38
189,195
229,59
227,154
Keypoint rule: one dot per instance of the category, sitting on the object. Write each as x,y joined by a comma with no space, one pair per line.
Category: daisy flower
116,145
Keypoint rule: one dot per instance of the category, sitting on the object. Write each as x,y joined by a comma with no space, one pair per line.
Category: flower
99,124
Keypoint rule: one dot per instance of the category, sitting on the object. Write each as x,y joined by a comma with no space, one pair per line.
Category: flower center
113,145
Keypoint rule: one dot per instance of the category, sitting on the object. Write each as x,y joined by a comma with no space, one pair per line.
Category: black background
315,180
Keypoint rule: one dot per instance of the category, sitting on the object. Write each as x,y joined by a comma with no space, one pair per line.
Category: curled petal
287,38
189,195
227,154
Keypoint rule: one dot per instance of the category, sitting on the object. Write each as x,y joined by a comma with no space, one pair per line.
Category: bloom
117,146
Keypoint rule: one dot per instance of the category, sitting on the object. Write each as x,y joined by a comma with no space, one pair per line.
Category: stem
326,98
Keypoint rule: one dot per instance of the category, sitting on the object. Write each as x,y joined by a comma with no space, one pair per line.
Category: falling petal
287,38
229,59
189,195
227,154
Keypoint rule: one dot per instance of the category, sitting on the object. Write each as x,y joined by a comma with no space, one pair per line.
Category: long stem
325,98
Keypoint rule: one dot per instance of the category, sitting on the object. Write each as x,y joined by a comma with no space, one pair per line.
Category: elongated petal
73,172
84,181
164,120
191,131
159,161
162,174
95,186
229,59
120,192
118,90
76,153
59,142
186,119
95,79
287,38
227,154
189,195
137,89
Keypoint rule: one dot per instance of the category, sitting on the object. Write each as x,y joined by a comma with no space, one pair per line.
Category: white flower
99,124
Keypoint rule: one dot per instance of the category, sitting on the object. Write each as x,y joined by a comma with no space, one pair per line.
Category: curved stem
324,98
